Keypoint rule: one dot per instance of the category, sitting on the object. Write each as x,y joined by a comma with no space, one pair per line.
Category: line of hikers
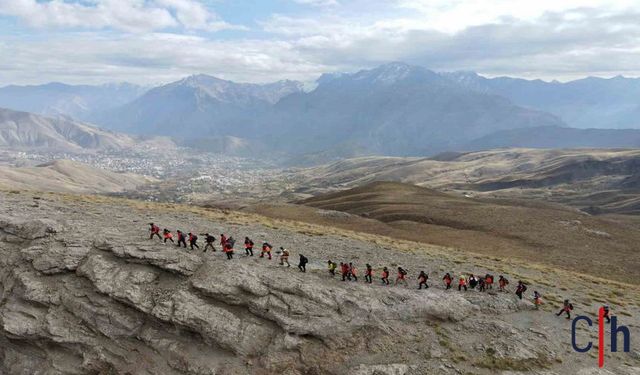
349,272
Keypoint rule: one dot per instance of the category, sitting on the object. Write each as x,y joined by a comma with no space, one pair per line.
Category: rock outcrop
74,304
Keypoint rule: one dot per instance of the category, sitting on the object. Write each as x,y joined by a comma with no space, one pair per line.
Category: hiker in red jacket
566,308
181,239
401,277
228,249
344,269
385,276
248,246
155,231
193,241
223,240
447,279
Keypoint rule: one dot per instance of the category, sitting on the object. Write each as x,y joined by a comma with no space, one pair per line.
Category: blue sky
155,41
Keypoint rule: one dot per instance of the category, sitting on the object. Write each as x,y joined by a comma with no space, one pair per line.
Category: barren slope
69,176
538,232
595,180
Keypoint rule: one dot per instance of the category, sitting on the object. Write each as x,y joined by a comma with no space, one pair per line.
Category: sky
156,41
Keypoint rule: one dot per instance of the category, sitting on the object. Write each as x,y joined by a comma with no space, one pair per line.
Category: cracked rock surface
82,291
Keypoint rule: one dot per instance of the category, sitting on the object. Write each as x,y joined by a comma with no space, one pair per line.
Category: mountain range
590,102
394,109
77,101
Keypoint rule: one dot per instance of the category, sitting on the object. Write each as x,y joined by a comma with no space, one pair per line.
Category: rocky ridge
78,296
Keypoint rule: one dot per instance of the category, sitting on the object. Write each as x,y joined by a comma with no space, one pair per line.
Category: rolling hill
594,180
70,177
538,232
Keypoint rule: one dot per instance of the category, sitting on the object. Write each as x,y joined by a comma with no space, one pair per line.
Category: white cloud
456,15
318,3
549,41
125,15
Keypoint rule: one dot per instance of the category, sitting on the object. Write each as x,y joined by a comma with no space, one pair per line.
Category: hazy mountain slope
396,109
69,176
557,137
79,102
198,106
27,130
585,103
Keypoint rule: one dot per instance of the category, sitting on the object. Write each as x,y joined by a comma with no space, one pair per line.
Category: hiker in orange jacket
167,236
266,249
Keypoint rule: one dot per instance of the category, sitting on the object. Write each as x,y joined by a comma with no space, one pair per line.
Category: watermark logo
615,331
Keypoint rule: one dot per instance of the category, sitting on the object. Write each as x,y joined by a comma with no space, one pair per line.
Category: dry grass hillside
543,233
69,176
594,180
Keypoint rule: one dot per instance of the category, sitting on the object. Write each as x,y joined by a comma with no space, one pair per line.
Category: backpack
570,306
194,238
402,271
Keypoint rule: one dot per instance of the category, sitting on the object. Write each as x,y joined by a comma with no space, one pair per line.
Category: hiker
385,276
155,231
520,289
566,308
447,279
481,284
537,299
248,246
488,280
502,283
228,249
209,240
344,269
607,313
332,267
181,239
266,248
472,281
284,257
193,241
422,280
368,274
231,241
353,272
167,236
302,265
462,283
401,277
223,240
